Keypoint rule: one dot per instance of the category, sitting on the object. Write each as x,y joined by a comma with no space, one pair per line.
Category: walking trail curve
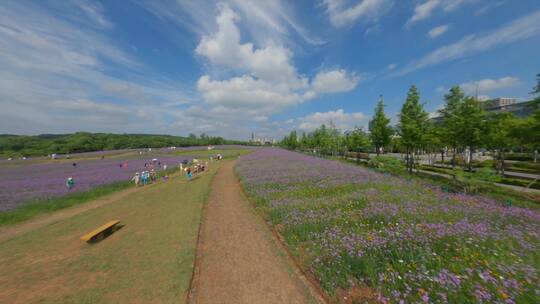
238,260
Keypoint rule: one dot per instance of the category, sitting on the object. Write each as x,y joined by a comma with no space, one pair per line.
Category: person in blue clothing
70,183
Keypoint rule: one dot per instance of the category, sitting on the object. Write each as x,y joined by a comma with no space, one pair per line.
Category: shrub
476,181
528,165
387,164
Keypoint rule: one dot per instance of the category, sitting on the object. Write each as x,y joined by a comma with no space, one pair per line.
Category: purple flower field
406,240
23,182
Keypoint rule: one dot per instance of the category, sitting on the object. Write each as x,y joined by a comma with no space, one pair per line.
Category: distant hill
45,144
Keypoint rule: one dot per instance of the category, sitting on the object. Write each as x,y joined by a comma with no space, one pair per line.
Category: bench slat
99,230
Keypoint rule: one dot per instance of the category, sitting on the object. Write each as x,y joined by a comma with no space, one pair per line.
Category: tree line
463,126
21,145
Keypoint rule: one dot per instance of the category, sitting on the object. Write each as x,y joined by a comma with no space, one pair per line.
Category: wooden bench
100,233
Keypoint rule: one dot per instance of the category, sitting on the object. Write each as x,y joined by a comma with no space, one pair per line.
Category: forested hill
22,145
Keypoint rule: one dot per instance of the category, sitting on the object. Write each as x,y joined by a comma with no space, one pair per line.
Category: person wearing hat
136,179
70,183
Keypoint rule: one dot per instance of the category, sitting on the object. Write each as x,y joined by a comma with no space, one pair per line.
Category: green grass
38,207
150,259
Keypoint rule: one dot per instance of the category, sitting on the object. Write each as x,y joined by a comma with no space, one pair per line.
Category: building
499,102
509,105
502,105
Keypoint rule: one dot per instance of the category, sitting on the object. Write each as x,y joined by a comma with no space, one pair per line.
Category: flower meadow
24,182
403,239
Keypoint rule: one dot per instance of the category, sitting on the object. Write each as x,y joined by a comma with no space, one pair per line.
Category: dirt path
9,232
238,260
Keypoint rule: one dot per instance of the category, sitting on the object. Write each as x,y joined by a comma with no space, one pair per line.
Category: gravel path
238,259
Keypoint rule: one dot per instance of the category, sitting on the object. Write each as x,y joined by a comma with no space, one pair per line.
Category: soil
238,259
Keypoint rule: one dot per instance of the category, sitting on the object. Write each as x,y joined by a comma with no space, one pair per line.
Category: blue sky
234,67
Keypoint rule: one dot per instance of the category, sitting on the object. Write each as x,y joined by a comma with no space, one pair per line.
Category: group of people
145,177
197,167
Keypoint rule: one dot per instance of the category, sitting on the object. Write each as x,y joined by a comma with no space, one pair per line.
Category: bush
520,182
520,156
528,165
486,164
476,181
387,164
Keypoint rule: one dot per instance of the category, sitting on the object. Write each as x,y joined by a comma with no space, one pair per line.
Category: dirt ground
238,260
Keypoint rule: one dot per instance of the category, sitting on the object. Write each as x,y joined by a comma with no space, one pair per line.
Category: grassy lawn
40,207
149,260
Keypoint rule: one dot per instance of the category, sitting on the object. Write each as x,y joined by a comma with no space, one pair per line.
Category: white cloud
334,81
491,5
268,81
339,118
438,31
483,97
342,14
247,92
450,5
425,9
488,85
519,29
95,12
57,74
270,63
265,20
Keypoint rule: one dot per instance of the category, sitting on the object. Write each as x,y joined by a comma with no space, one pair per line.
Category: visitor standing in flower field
137,179
70,183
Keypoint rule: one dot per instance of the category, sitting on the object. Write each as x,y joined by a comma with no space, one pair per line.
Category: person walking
137,179
189,173
70,183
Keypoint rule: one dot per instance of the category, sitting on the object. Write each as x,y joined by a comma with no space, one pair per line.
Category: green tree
452,119
536,89
380,131
357,140
472,126
413,125
501,136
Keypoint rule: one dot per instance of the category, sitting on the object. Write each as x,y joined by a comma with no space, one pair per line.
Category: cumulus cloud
341,14
334,81
339,118
521,28
267,80
438,31
488,85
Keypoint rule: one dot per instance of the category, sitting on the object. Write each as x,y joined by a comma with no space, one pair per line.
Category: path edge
308,279
196,273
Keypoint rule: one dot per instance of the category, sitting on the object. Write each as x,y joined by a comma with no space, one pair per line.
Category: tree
380,131
413,124
501,136
536,89
357,140
452,119
472,125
